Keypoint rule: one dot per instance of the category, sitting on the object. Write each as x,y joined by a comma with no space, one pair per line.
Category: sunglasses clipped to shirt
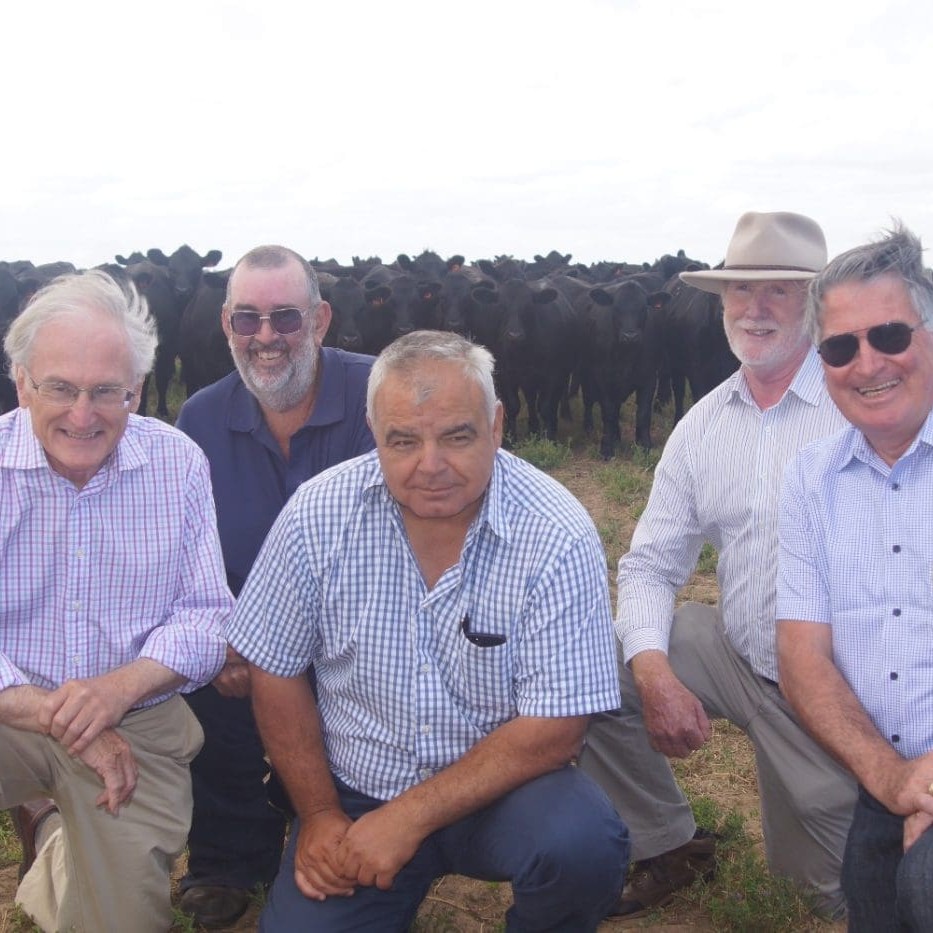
283,321
891,338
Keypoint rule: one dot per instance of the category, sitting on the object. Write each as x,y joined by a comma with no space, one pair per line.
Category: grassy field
719,779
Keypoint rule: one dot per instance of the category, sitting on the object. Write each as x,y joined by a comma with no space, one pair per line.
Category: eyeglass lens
283,321
891,338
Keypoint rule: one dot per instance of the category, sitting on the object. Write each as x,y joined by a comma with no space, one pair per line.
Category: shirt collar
808,384
26,453
329,404
855,446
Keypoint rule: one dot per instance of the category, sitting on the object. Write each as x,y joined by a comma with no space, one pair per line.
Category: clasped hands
335,854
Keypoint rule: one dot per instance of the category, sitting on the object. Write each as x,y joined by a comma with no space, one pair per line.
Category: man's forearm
20,705
830,711
512,755
289,723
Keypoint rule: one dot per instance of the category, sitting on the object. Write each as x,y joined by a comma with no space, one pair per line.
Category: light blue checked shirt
401,690
719,480
127,567
857,554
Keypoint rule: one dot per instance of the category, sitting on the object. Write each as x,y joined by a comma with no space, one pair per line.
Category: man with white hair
113,602
718,482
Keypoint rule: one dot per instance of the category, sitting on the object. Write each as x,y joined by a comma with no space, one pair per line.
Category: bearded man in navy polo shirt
291,409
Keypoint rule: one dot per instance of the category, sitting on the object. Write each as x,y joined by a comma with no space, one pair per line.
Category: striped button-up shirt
408,679
127,567
719,480
857,554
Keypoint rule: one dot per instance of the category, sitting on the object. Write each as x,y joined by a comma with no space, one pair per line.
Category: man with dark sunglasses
855,585
718,482
291,409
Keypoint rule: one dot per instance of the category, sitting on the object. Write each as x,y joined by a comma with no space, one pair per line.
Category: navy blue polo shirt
252,479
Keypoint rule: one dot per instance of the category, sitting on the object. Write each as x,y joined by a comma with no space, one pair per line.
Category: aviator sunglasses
283,321
891,338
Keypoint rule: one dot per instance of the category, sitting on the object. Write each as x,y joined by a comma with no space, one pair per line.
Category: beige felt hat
778,245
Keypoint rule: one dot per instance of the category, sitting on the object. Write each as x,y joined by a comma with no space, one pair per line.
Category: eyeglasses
891,338
283,321
64,394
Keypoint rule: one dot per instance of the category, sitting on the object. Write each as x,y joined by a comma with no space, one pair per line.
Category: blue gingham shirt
402,692
719,480
857,554
127,567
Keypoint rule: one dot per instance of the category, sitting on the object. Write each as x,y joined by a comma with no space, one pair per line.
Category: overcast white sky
609,129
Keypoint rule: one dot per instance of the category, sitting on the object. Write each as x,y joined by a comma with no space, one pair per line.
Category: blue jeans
887,891
556,838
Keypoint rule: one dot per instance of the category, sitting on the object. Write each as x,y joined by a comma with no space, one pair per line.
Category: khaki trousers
103,873
807,799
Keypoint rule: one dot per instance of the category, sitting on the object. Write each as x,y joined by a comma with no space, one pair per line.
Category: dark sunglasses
283,321
891,338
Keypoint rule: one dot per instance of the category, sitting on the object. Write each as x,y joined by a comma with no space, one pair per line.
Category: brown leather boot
654,881
26,820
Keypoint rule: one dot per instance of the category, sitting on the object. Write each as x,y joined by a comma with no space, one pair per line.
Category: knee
582,846
914,893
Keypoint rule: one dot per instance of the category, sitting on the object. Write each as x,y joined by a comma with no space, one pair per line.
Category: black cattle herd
607,330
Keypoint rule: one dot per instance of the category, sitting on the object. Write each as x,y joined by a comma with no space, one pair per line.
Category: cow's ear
484,294
157,256
601,297
658,301
212,258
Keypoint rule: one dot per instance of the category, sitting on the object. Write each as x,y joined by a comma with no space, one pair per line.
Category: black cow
621,347
9,308
205,354
695,343
534,347
347,303
169,284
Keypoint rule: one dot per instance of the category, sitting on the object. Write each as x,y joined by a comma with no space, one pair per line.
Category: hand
317,868
233,680
915,826
905,786
675,720
79,710
378,845
110,756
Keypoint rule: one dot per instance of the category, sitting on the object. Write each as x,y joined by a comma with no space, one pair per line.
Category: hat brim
712,280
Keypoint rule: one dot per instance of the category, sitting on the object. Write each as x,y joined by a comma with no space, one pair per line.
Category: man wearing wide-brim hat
718,481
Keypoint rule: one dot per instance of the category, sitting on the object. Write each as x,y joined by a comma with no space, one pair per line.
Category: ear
22,388
225,321
322,318
136,399
497,424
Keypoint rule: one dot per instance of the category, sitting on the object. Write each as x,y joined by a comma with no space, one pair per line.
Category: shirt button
425,668
895,738
79,552
893,675
895,486
896,549
897,612
425,729
76,605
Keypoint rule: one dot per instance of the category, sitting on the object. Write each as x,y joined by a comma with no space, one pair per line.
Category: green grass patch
544,454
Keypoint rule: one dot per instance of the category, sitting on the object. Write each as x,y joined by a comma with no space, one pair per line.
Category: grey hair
898,253
405,354
275,257
76,294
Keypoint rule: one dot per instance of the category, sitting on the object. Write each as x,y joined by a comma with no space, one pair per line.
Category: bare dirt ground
723,771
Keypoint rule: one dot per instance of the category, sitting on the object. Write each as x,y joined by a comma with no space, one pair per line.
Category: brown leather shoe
213,906
26,819
653,882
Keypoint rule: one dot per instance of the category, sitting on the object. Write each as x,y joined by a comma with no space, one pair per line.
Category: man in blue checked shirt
453,601
113,601
855,583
